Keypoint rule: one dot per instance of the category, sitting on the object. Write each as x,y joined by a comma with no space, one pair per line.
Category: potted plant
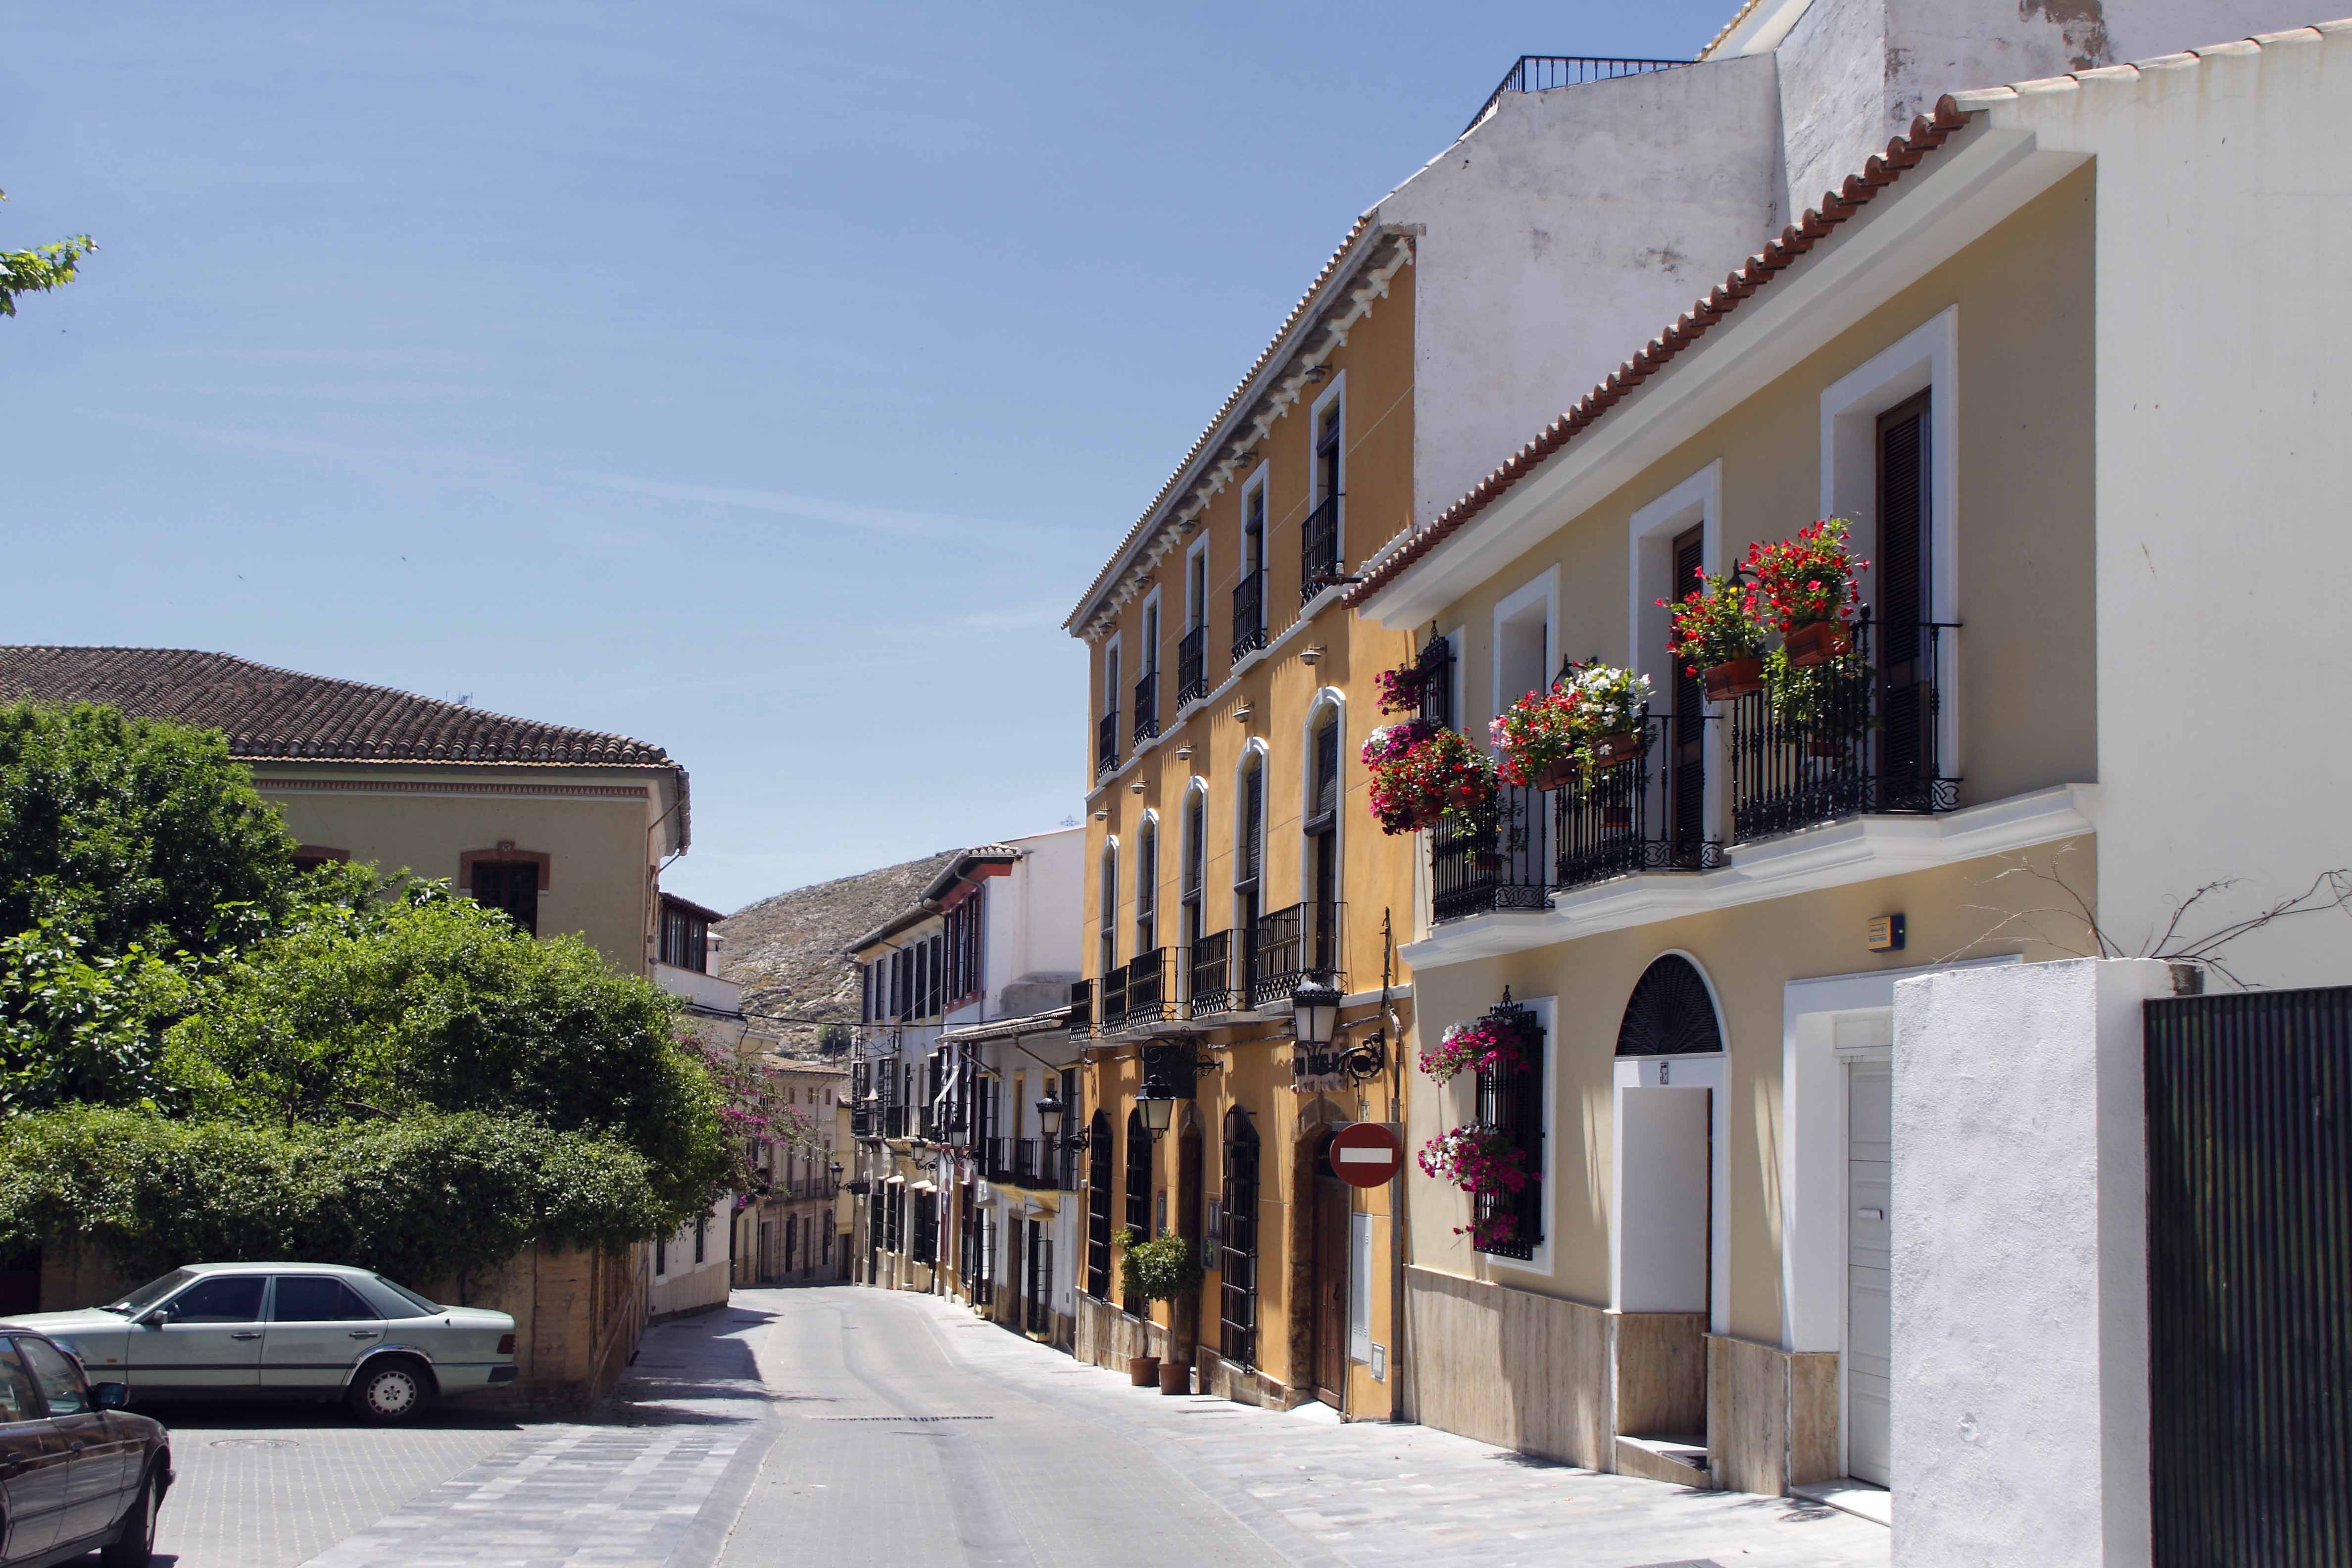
1825,706
1480,1045
1717,638
1538,739
1807,590
1159,1269
1612,705
1483,1162
1400,687
1422,773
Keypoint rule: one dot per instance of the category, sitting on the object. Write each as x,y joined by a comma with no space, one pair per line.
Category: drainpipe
1397,1186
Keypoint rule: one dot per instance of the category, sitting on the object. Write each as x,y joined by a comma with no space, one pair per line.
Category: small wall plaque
1886,934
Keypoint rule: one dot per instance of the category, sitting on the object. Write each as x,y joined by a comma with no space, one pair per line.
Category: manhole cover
253,1442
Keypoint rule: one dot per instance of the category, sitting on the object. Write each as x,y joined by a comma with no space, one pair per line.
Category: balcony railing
1000,1159
1537,73
1214,989
1318,563
1475,871
1192,665
1029,1157
1631,816
1289,944
1106,744
1860,739
1082,1009
1150,988
1112,1013
893,1122
1147,706
1249,614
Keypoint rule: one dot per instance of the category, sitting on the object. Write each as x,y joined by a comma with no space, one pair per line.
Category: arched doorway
1098,1207
1238,1259
1330,1230
1138,1198
1184,1314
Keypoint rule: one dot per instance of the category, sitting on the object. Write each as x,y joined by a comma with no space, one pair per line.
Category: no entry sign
1366,1153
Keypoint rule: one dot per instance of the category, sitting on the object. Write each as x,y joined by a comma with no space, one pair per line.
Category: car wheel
134,1546
391,1391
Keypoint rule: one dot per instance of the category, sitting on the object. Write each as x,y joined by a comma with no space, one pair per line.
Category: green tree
437,1005
134,830
39,269
79,1029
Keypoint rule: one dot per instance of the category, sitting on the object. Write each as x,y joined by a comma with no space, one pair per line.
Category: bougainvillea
1429,774
1400,688
1714,624
1480,1161
1803,581
1482,1045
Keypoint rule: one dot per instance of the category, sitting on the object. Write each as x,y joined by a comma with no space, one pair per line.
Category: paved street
867,1427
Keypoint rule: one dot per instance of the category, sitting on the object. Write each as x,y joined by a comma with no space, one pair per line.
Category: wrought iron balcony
995,1159
1147,706
1106,744
1082,1009
1192,666
1113,1011
1858,740
1475,871
1318,561
1150,988
1249,614
1030,1156
1539,73
1289,944
1212,990
1638,813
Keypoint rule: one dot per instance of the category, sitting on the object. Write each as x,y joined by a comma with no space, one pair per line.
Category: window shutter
1904,602
1253,824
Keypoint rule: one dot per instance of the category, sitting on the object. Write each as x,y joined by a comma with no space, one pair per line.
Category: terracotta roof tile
267,713
1902,152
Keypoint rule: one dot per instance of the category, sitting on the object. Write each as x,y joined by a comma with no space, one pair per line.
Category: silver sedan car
288,1330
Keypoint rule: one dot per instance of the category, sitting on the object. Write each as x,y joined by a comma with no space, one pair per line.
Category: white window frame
1687,1070
1258,748
1335,392
1649,571
1113,676
1196,607
1926,359
1146,901
1259,483
1107,917
1149,632
1544,589
1331,700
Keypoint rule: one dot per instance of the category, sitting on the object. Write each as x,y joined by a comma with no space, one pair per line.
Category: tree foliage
429,1197
39,269
133,830
76,1027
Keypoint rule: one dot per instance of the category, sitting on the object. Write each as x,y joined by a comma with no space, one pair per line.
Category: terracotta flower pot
1143,1370
1487,859
1818,643
1617,817
1560,774
1175,1377
1734,679
1610,750
1822,748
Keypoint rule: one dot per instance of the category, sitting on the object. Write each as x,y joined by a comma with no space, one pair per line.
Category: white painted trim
1196,612
1543,588
1926,359
1981,175
1547,1012
1145,619
1709,1072
1334,393
1148,824
1860,849
1254,747
1649,573
1260,483
1332,699
1813,1148
1114,679
1761,32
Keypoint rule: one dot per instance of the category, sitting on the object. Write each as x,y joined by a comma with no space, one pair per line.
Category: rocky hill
785,950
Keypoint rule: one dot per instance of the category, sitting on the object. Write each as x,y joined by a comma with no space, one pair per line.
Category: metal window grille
1511,1101
1237,1257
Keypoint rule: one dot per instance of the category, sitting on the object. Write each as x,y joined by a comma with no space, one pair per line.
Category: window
1196,862
17,1402
61,1381
1139,1192
1097,1206
1109,935
231,1298
701,1238
316,1299
1193,648
1686,775
661,1256
1146,888
1319,538
926,1227
310,857
1322,829
1512,1099
685,937
511,887
1249,863
1905,661
1436,669
1237,1257
1249,591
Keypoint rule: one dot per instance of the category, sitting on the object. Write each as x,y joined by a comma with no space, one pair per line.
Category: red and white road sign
1366,1153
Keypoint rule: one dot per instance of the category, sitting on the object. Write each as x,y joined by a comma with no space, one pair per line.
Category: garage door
1870,1116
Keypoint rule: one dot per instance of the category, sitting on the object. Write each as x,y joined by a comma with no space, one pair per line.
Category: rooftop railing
1540,73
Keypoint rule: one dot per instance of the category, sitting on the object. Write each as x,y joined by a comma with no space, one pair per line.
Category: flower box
1819,643
1608,751
1560,775
1734,679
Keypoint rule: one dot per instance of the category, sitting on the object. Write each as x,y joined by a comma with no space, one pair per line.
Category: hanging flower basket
1563,773
1478,1160
1480,1045
1608,751
1819,643
1422,773
1734,679
1400,687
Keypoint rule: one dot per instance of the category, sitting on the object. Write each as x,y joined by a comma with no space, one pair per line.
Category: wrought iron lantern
1314,1013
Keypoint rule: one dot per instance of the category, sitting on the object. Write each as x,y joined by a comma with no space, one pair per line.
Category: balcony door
1249,878
1323,850
1685,731
1905,648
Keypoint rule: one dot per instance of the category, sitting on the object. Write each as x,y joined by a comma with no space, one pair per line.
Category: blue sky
764,380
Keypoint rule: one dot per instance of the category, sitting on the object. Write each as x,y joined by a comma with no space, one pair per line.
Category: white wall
2019,1419
2224,193
1856,72
1562,233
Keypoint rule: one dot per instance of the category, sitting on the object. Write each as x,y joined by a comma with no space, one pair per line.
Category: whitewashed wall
1562,234
2020,1387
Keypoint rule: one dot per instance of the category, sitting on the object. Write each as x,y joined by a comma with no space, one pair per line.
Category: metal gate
2250,1279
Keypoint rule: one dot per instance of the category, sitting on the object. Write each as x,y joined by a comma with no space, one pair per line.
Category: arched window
1321,825
1238,1259
1147,887
1098,1207
1670,1014
1249,867
1110,918
1139,1191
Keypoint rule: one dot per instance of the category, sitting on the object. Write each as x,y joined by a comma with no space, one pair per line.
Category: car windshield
405,1294
147,1295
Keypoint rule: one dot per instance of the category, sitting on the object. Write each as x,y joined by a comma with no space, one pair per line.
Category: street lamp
1050,1112
1158,1111
1314,1013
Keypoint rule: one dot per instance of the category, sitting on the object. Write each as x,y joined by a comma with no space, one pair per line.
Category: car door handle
246,1334
77,1445
365,1333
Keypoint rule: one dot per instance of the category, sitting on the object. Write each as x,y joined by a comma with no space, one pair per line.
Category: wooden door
1332,1210
1184,1315
1905,609
1685,737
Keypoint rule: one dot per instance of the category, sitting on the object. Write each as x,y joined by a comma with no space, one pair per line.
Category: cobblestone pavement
911,1431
